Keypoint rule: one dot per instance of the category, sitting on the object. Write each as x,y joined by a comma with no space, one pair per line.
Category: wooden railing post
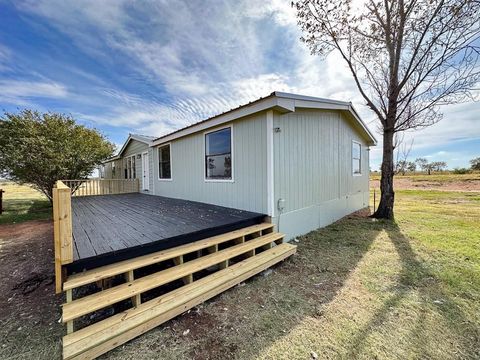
62,230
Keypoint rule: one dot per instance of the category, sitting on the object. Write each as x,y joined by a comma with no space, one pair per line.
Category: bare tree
411,166
428,167
439,165
407,58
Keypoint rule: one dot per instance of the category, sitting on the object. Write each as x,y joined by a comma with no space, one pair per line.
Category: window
218,155
130,170
113,169
356,158
101,171
164,163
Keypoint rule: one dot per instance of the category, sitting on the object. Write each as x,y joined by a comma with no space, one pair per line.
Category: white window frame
158,162
360,159
205,133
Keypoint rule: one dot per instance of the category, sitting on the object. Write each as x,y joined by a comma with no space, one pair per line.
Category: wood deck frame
244,253
156,286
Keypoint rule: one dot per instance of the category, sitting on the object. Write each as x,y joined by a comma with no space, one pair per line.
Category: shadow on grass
20,210
416,276
269,306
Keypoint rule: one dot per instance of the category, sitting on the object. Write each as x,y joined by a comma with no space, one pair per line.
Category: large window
130,169
218,155
356,158
164,163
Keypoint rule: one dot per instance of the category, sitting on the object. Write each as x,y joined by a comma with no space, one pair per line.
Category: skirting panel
302,221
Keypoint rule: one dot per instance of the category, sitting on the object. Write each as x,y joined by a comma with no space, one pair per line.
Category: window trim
205,133
158,162
131,166
360,158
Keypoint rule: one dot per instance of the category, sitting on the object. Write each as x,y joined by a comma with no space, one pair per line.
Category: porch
112,228
152,257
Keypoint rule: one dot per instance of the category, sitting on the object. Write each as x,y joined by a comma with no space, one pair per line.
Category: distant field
437,181
22,203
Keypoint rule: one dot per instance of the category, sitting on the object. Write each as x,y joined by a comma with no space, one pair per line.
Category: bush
461,171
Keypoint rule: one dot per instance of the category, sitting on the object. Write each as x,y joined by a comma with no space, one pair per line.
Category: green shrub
461,171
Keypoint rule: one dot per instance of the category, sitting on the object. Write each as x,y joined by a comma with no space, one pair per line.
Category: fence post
62,230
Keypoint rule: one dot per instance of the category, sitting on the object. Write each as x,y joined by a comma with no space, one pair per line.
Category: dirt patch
411,183
29,308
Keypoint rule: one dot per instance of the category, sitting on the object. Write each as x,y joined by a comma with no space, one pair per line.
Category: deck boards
130,225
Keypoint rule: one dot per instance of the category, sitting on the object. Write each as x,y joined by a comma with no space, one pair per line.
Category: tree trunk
385,207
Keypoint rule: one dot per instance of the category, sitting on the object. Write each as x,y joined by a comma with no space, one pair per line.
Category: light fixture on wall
139,156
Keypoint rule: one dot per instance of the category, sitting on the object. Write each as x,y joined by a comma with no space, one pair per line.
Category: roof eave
130,138
270,102
279,101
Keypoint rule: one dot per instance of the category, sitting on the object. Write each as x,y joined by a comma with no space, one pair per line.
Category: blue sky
152,67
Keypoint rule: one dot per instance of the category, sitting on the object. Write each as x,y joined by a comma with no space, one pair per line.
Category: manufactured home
301,160
177,219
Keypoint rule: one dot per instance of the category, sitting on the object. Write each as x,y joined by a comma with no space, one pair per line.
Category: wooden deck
113,228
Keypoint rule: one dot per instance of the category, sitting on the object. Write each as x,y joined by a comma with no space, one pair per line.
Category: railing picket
91,187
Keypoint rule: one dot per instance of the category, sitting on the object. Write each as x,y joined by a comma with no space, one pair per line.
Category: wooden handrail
62,230
90,187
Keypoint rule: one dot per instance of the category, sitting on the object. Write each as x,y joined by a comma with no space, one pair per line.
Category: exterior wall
247,191
133,148
313,170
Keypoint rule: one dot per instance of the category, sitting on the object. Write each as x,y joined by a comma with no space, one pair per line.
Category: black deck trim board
130,253
111,228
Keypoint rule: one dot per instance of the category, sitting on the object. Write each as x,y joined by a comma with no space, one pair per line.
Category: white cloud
5,55
16,91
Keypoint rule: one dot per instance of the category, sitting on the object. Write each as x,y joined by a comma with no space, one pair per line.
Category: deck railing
89,187
62,193
62,230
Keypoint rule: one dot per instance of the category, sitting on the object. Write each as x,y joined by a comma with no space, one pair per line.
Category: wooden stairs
159,286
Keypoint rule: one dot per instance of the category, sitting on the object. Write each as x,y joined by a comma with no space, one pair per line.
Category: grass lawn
22,203
359,288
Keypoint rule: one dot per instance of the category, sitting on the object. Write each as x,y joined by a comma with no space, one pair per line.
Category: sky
150,67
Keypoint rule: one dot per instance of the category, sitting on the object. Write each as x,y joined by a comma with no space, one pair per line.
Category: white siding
313,170
246,192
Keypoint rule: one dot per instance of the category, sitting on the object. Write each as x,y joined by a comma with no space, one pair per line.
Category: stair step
121,267
90,303
103,336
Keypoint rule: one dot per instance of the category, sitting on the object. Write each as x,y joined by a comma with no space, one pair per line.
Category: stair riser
128,334
78,280
109,297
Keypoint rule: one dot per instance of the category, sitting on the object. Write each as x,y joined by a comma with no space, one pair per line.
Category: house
223,196
301,160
